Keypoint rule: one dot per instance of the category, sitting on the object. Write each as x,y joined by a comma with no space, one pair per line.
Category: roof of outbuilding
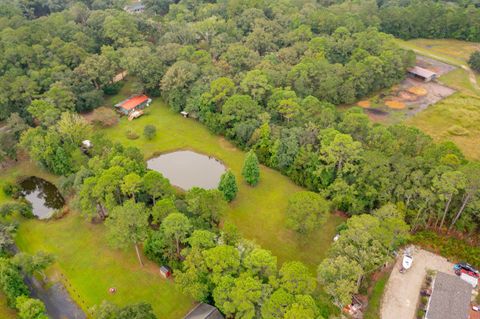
422,72
135,6
133,102
450,298
204,311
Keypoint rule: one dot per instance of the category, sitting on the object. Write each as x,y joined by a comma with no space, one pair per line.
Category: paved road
403,290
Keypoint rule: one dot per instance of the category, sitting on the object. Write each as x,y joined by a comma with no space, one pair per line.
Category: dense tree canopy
266,75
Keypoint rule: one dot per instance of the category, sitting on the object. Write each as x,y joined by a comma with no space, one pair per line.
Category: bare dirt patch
417,90
394,104
411,96
364,103
434,65
403,290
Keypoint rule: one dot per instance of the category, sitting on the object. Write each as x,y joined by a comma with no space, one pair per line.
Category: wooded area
268,76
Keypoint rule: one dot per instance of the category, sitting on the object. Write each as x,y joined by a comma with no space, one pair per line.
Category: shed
423,74
134,8
204,311
133,103
450,298
165,272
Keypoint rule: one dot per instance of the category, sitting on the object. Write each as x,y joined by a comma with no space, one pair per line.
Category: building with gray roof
204,311
450,298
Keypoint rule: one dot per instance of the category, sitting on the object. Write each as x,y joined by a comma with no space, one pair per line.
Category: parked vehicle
466,268
407,260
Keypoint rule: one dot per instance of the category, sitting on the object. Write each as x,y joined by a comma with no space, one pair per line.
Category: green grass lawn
443,119
88,267
451,51
375,298
258,212
455,118
22,169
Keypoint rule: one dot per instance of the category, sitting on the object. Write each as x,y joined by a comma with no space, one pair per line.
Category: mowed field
86,265
258,212
455,118
89,267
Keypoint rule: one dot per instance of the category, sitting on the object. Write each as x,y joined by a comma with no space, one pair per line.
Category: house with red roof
133,103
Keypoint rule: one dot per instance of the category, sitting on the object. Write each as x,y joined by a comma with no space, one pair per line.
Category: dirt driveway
403,290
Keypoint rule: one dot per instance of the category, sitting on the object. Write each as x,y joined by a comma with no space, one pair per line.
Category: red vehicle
466,269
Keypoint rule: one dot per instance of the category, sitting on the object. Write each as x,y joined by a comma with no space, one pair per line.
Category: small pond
43,195
187,169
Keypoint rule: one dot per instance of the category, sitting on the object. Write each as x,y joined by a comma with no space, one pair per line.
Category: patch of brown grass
103,116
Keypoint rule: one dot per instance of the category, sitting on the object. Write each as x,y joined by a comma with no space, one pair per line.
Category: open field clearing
77,244
88,267
455,52
456,117
412,96
257,212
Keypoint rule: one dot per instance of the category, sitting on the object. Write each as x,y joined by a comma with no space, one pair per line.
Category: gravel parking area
403,290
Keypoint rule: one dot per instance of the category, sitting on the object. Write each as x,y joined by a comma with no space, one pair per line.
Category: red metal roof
133,102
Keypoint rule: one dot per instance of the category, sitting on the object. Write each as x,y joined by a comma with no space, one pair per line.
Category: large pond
43,195
187,169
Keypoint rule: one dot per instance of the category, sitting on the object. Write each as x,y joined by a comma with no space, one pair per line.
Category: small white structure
185,114
337,236
86,144
470,279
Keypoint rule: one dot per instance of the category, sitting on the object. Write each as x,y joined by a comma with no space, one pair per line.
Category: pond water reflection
187,169
43,195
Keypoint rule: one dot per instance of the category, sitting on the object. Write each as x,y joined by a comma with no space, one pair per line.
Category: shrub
113,88
150,131
474,61
104,117
449,247
11,189
22,207
30,308
424,300
131,134
11,281
457,130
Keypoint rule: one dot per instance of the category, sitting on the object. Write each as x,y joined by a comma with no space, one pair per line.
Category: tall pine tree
228,186
251,169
